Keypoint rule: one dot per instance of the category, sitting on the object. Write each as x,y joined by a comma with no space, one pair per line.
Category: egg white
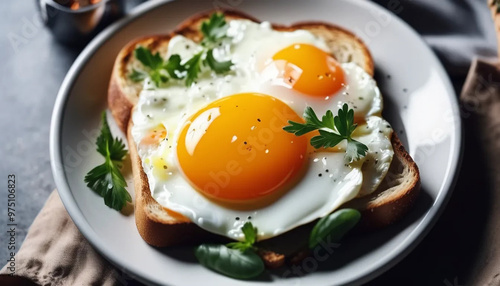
328,182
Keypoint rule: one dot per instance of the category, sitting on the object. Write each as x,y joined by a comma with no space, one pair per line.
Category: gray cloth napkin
457,30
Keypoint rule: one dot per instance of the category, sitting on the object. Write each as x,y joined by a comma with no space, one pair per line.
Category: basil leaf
230,262
335,225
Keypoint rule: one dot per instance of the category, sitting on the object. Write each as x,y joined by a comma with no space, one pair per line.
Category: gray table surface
30,76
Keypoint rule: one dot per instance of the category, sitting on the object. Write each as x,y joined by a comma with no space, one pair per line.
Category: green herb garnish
236,259
230,262
106,179
216,66
138,75
214,31
250,233
335,225
193,67
154,65
332,131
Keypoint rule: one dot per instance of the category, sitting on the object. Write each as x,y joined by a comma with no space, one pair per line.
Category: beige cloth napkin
55,253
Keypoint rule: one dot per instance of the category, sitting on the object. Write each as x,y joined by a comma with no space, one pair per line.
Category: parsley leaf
250,233
193,67
216,66
153,63
147,58
106,179
174,67
137,76
332,131
159,71
326,139
214,29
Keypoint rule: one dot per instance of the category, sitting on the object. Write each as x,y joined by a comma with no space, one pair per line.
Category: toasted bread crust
160,228
377,212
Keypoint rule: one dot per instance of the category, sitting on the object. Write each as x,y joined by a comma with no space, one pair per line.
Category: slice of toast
160,227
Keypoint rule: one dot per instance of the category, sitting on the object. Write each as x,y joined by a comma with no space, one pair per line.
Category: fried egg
216,152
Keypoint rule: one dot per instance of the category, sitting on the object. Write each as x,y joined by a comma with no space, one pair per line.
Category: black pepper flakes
319,175
237,218
249,217
258,119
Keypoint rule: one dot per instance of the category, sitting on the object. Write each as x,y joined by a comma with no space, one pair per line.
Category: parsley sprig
250,233
106,179
213,30
332,131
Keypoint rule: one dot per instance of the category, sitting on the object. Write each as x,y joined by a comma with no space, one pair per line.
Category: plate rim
424,226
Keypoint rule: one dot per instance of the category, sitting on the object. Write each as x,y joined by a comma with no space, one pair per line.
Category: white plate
419,102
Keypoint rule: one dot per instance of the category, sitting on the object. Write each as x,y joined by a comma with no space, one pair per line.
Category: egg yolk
235,150
309,70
